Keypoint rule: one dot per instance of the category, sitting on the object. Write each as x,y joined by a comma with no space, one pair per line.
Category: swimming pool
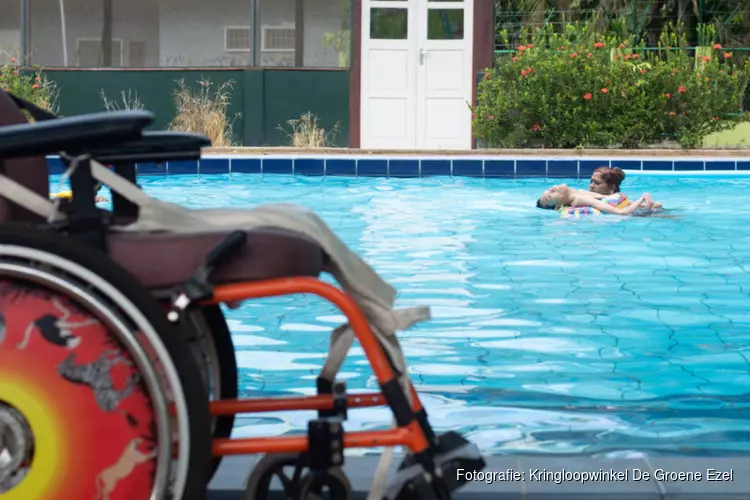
606,336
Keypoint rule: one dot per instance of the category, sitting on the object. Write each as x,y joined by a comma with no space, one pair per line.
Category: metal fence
643,18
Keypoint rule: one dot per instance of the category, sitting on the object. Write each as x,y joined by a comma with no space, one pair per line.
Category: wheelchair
118,377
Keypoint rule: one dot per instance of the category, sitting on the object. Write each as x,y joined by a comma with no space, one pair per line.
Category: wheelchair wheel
99,397
296,481
211,340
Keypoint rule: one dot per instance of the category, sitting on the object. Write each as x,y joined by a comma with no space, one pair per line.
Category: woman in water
605,185
561,196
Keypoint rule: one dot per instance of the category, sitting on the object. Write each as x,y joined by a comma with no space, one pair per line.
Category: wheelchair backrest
31,172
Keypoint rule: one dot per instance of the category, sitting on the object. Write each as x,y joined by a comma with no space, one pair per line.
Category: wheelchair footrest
454,453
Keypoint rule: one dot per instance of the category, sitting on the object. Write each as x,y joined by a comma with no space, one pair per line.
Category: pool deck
625,484
487,163
511,153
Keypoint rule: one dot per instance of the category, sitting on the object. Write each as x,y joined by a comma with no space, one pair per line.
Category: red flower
587,96
604,91
643,71
490,117
523,72
12,60
536,127
675,71
636,56
671,113
521,48
668,95
627,57
681,90
621,46
574,55
717,46
727,55
598,45
531,46
589,54
515,58
35,86
713,119
706,58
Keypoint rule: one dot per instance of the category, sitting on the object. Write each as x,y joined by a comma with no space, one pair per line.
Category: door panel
444,74
416,74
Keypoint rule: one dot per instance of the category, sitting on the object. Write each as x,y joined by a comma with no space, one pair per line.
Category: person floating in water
605,185
561,196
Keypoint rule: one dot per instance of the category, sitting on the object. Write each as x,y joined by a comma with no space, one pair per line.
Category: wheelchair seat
266,254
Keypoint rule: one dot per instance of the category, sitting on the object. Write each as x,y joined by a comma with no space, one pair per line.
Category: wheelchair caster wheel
312,486
297,482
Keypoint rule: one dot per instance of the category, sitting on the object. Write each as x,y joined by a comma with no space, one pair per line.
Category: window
89,53
277,38
137,54
237,39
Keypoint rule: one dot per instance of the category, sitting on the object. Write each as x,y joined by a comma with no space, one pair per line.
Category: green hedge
580,88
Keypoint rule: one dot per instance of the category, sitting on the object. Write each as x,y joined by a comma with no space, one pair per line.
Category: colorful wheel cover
80,394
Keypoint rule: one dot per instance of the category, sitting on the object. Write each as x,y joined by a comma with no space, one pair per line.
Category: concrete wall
172,32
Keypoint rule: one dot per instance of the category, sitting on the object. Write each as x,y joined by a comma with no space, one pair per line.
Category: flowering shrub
582,89
32,86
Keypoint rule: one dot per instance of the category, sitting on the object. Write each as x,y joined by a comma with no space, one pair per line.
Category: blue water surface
605,336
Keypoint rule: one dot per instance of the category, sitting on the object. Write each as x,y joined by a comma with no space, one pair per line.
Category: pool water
606,336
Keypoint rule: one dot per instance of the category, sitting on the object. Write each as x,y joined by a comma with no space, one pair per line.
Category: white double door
417,79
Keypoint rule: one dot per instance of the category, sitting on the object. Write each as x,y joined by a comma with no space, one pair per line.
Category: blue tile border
409,166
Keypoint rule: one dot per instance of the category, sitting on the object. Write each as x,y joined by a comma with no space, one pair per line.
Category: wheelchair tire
218,357
189,473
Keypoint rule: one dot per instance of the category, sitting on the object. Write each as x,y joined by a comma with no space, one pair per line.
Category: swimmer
560,196
605,182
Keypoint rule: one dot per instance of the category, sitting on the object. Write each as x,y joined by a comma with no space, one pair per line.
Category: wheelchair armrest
72,134
154,147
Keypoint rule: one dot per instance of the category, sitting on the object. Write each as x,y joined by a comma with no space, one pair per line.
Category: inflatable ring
578,212
617,200
67,195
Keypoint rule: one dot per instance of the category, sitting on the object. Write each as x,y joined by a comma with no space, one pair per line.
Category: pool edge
229,480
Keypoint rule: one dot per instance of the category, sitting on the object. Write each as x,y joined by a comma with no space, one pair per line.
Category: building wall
173,32
10,30
132,21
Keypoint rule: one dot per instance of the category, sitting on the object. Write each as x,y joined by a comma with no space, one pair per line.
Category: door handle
421,56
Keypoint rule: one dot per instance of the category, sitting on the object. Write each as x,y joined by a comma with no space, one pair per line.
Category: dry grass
307,134
128,102
48,99
204,111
